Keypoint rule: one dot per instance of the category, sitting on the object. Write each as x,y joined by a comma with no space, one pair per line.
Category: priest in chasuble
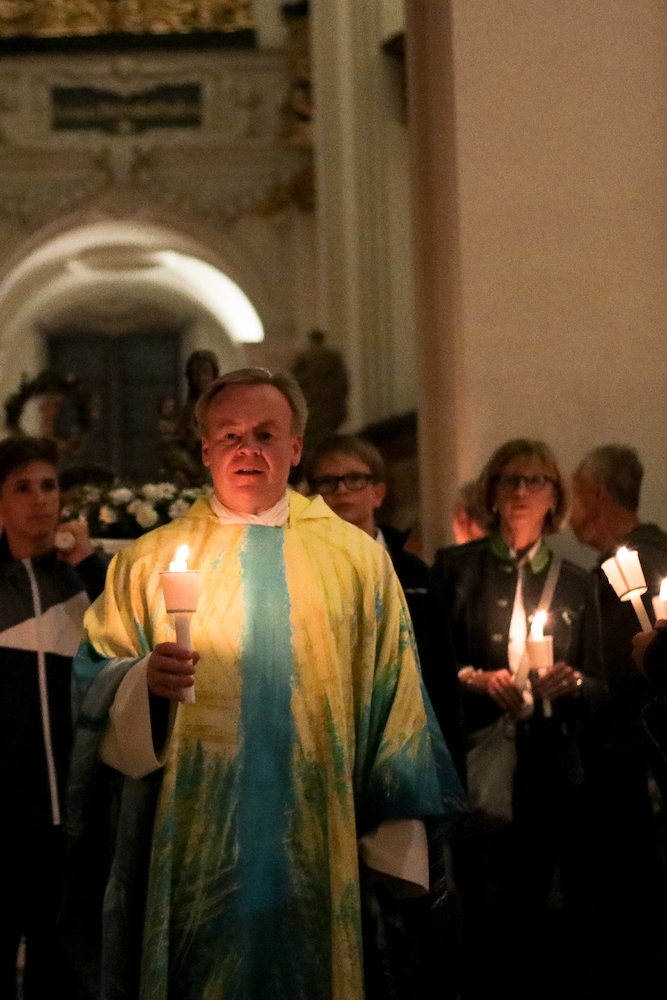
234,870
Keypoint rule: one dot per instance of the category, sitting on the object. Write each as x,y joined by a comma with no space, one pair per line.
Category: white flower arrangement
159,491
127,512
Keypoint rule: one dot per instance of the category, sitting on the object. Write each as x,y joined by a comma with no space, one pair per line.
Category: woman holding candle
491,589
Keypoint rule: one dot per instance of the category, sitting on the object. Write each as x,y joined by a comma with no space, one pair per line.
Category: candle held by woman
540,651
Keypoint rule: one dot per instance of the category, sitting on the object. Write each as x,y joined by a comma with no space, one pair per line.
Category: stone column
436,261
352,127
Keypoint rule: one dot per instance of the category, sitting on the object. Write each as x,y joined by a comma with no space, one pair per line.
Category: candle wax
181,590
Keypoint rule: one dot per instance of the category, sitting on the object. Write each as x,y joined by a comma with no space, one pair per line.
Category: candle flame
663,590
180,564
536,629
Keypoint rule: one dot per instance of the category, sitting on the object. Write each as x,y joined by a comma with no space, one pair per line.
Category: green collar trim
501,549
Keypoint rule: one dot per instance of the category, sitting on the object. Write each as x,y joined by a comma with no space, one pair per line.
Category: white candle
625,574
540,649
180,587
660,602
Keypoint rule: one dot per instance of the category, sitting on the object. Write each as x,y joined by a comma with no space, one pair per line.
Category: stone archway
113,279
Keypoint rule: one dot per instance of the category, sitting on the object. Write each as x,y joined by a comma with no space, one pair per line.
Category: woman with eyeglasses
525,847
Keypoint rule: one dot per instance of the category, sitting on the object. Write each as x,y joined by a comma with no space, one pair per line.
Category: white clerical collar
274,517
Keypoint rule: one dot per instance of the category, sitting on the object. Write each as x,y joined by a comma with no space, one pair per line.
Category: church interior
449,215
469,200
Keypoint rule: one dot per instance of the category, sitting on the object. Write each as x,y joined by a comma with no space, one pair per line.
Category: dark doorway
128,376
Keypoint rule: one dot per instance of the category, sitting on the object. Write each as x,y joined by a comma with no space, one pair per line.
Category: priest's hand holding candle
171,666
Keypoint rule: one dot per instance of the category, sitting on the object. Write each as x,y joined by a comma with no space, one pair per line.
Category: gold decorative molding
85,18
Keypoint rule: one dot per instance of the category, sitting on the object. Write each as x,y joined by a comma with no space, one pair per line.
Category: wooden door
127,376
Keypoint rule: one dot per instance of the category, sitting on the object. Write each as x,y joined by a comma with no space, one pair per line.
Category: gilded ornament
80,18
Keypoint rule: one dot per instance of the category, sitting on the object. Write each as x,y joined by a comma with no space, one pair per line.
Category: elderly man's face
249,446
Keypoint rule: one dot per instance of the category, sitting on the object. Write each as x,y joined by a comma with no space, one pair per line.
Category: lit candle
540,650
625,574
660,602
180,587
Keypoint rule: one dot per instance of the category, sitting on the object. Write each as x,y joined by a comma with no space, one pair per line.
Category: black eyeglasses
533,484
353,481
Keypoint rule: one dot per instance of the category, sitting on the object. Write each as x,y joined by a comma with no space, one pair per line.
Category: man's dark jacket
64,591
434,643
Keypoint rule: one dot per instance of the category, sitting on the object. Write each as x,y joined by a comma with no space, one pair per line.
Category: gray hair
284,383
616,467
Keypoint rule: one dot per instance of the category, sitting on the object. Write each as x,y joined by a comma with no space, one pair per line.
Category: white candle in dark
625,574
660,602
180,587
540,649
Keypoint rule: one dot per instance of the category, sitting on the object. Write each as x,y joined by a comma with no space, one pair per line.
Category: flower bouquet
125,512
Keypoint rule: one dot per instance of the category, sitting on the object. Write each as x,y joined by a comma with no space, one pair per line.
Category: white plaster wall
562,158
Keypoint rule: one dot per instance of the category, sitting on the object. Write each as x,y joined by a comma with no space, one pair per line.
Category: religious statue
320,371
180,438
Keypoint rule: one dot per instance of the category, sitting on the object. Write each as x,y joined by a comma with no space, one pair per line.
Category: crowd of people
302,830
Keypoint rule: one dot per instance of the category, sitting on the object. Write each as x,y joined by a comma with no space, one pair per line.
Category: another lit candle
625,574
540,650
180,587
660,602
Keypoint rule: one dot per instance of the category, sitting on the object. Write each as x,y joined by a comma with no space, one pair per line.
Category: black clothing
24,783
434,644
627,852
410,944
40,597
475,585
654,716
31,864
413,575
629,690
506,872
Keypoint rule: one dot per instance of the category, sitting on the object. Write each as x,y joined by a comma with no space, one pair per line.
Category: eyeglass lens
532,483
352,481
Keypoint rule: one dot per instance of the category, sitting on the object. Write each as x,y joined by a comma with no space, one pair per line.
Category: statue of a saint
181,438
320,371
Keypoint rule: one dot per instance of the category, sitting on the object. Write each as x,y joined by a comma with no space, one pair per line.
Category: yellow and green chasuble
309,729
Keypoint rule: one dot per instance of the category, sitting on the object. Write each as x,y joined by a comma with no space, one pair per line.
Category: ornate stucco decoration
226,160
81,18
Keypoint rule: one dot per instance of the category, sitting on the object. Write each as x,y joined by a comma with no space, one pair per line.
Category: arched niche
113,278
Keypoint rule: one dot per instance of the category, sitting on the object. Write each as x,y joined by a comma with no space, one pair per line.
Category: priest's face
249,446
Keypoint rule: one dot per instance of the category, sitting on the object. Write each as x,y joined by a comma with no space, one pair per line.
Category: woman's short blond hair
282,381
520,447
